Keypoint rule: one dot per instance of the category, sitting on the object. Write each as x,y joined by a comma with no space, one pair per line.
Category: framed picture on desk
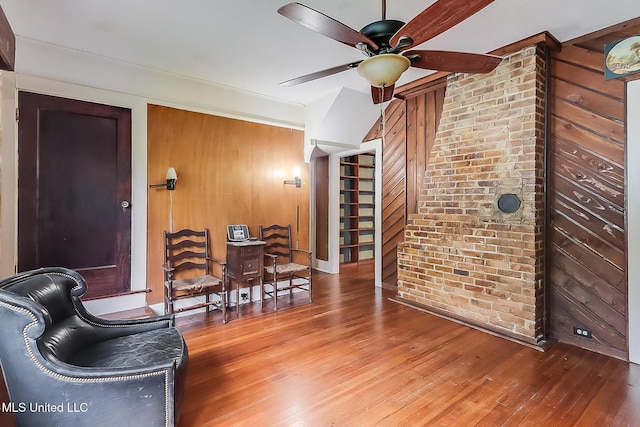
237,233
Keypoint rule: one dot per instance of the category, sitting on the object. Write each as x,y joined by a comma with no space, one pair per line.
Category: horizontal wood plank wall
229,172
394,154
586,238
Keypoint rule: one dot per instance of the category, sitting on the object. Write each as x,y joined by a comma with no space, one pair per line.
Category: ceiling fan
385,44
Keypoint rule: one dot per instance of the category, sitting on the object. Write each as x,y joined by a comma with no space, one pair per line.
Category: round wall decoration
509,203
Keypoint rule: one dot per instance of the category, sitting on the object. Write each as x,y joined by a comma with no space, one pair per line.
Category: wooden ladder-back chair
190,272
285,268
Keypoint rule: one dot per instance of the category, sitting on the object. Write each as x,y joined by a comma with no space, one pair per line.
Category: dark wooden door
74,174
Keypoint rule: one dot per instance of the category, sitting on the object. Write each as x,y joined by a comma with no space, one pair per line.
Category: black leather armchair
65,367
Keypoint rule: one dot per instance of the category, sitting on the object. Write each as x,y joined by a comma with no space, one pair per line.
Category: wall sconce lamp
171,178
296,178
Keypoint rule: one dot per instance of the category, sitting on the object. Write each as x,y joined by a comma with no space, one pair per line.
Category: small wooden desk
245,265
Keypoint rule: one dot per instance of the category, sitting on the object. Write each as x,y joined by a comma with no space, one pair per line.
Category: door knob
125,205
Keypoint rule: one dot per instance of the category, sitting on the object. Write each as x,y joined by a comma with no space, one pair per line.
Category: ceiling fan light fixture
384,69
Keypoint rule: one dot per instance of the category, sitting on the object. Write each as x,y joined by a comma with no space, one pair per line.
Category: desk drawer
251,250
250,267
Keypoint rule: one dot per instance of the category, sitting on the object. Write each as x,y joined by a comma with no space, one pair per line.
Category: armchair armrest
105,374
271,260
222,266
155,322
217,260
304,251
301,255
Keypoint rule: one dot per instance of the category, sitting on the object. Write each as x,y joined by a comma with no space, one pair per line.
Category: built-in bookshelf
357,207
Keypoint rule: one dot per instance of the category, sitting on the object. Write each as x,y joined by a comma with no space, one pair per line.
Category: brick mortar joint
521,73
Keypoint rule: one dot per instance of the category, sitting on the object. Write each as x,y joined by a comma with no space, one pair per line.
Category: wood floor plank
353,357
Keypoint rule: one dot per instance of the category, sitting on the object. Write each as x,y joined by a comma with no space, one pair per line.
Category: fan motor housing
381,31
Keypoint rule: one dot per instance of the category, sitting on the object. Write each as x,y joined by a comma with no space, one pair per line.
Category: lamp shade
171,174
384,69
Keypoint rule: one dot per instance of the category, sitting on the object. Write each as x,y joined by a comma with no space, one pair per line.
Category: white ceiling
245,44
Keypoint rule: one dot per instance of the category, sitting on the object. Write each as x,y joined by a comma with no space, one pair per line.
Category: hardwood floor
355,358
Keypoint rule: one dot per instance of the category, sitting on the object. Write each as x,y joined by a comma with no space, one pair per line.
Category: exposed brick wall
462,256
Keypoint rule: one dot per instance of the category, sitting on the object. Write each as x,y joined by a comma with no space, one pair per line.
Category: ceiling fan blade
456,62
380,95
320,74
438,18
325,25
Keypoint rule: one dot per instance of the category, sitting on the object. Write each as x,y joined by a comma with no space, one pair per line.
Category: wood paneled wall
423,117
394,212
586,238
229,172
321,182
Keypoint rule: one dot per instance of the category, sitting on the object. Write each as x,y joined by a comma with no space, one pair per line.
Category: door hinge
17,114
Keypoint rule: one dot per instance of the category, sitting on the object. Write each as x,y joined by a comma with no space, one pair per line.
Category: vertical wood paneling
410,130
586,238
229,172
423,117
321,183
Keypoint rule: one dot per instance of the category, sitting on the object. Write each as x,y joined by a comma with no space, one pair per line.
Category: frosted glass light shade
383,70
171,174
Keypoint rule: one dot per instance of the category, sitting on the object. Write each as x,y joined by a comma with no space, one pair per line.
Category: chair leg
170,299
290,286
261,290
166,299
223,296
275,288
237,300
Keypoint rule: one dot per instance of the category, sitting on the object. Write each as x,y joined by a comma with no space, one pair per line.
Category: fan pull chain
382,118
